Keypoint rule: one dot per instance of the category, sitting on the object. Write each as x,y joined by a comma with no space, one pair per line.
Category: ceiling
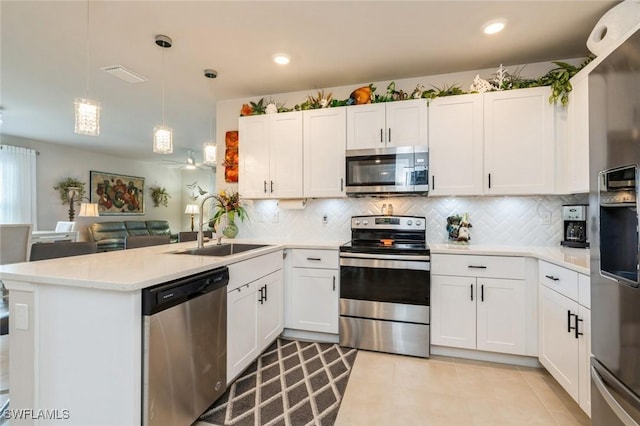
331,43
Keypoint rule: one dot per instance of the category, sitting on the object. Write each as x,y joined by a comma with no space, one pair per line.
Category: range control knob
365,222
418,222
357,222
409,222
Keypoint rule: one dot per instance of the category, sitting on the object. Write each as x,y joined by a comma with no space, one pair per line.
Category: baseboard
310,335
521,360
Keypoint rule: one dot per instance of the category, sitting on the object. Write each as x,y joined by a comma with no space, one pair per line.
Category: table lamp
88,210
191,209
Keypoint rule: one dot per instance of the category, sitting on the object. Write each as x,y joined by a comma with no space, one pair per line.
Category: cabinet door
254,156
558,347
501,316
407,123
285,155
325,142
519,142
366,126
453,311
270,308
242,329
456,154
314,300
578,140
584,344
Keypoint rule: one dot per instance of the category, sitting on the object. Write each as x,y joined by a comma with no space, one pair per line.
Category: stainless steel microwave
387,171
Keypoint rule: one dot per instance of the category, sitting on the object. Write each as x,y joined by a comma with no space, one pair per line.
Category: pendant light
209,154
163,135
87,111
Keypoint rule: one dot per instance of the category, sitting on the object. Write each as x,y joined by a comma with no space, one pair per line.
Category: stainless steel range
384,285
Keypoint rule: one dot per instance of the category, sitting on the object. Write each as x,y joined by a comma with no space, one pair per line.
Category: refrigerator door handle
624,417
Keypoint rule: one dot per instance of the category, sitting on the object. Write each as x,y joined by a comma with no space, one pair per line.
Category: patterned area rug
291,383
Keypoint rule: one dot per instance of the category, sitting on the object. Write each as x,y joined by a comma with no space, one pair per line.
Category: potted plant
63,188
160,196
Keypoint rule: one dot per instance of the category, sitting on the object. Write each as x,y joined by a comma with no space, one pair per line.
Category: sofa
110,236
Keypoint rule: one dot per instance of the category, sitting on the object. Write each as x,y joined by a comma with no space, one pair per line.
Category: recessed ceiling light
281,58
494,26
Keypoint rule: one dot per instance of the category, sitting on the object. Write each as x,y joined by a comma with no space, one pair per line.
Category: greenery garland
557,78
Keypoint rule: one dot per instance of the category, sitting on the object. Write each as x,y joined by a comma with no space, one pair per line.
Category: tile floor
388,390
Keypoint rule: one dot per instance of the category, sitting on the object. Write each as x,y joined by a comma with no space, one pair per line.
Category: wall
56,162
495,220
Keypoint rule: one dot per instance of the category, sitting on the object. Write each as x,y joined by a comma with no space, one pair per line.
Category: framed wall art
117,194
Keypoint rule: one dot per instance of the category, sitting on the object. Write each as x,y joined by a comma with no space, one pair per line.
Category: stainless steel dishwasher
184,347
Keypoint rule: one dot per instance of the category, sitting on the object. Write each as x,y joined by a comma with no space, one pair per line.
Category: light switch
21,313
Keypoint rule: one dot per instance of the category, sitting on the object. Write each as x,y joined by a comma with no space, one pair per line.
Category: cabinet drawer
478,266
313,258
562,280
584,290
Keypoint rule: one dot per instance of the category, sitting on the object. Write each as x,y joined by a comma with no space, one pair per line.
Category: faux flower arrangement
228,201
558,78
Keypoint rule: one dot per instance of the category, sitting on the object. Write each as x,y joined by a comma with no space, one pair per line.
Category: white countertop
132,270
571,258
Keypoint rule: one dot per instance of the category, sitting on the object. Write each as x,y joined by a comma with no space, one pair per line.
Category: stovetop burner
387,235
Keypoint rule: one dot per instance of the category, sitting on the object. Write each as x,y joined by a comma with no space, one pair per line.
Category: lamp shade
162,140
191,209
88,210
209,153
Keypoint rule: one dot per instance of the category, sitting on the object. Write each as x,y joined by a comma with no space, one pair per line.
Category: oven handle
385,264
417,258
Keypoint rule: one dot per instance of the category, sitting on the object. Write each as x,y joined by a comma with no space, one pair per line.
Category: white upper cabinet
270,154
577,153
382,125
519,142
325,136
456,145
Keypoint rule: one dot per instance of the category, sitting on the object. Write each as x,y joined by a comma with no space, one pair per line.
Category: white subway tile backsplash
495,220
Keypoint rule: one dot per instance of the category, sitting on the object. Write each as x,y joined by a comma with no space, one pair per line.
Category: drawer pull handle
477,267
318,259
471,292
482,293
334,283
551,277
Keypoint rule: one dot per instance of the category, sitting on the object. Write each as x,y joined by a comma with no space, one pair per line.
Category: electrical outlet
325,219
546,218
275,217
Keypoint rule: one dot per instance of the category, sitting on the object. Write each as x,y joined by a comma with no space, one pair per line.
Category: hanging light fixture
87,111
163,135
210,146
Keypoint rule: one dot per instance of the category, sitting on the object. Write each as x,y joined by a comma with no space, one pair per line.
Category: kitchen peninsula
76,327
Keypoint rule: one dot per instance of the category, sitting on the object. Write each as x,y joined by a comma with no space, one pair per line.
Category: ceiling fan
190,163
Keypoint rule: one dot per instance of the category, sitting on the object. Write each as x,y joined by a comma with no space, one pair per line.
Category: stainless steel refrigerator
614,152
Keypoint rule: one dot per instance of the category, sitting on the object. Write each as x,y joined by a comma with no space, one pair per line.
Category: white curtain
18,185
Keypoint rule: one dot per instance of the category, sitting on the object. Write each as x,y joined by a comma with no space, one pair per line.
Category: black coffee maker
575,226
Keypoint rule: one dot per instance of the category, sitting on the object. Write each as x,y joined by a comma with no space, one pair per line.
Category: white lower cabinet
478,313
312,295
480,302
254,310
565,331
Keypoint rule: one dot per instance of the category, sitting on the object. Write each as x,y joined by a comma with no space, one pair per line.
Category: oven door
402,169
388,287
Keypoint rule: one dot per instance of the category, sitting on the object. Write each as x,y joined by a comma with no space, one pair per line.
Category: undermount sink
222,249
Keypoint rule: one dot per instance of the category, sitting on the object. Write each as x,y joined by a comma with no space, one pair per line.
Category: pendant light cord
87,66
213,99
163,49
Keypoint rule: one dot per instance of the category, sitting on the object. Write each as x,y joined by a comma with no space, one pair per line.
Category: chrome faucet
201,219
